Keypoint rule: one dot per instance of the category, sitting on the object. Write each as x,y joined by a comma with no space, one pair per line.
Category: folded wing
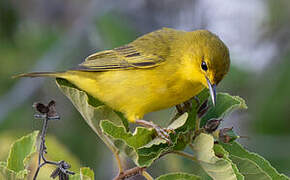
147,51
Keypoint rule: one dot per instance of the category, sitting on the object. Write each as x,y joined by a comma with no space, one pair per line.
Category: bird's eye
203,66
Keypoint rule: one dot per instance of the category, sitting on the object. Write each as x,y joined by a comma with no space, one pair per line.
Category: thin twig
197,124
119,163
49,113
42,148
114,150
147,175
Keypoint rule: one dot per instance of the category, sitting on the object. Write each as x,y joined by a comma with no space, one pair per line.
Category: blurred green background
54,35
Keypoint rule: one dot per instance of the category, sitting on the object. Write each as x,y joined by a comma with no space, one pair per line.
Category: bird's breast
144,92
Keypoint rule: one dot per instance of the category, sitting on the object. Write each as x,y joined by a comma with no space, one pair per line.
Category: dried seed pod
48,111
227,135
43,109
212,125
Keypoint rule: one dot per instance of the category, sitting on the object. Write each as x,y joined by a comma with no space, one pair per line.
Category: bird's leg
163,133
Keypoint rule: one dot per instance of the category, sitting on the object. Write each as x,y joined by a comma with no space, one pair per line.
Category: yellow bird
158,70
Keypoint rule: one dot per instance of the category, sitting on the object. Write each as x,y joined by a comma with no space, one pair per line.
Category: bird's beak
212,91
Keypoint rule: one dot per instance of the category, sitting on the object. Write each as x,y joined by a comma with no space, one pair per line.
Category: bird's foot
163,133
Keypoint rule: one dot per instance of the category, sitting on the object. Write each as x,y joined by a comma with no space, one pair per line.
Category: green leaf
156,147
126,142
219,150
139,138
249,169
20,151
86,171
217,168
178,176
178,123
225,104
8,174
235,149
192,115
129,143
85,174
142,146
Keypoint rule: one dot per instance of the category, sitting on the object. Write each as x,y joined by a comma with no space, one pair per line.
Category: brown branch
129,173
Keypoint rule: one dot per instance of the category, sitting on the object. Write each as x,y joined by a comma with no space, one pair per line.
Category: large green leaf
225,104
217,168
178,176
20,151
19,155
241,157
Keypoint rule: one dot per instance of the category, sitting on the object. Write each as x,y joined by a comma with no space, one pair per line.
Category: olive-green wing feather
147,51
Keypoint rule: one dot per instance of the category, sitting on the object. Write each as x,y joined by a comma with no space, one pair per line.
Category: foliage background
55,35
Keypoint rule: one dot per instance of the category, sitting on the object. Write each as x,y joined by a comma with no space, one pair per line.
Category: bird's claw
162,133
170,130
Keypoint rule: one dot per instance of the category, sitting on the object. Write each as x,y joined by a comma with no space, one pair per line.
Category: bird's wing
147,51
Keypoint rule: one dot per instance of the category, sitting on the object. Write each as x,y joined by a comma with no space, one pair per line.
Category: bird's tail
40,74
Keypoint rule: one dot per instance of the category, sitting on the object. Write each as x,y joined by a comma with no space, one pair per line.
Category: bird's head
207,58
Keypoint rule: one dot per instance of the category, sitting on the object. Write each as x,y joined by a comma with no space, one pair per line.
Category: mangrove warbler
156,71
